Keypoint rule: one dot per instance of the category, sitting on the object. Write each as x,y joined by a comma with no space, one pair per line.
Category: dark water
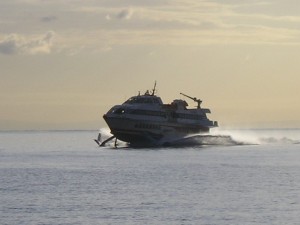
64,178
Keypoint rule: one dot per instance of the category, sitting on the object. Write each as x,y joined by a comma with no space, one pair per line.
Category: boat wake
204,140
220,137
241,137
187,141
283,140
263,136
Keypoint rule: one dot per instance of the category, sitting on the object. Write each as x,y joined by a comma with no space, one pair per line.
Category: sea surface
63,177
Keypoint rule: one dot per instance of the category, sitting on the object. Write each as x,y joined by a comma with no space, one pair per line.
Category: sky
64,63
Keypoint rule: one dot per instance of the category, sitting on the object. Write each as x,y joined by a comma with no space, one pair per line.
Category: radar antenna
194,99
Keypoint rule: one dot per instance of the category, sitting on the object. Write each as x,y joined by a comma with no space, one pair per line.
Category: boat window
143,100
140,100
155,100
189,116
131,100
148,113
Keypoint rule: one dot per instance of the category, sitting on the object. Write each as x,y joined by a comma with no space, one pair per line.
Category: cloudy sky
64,63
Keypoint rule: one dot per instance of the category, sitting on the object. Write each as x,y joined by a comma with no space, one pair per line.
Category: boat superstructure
144,120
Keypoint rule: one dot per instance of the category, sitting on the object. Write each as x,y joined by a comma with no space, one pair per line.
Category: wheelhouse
144,99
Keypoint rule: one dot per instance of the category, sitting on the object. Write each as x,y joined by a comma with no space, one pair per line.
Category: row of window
189,116
147,126
172,115
162,114
192,130
148,113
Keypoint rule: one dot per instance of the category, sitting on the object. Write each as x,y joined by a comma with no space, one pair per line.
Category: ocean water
63,177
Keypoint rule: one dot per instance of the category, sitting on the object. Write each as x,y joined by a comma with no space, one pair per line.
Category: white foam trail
220,136
242,136
105,134
262,136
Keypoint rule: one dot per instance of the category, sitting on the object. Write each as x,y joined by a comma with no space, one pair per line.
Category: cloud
125,14
10,44
94,25
190,21
17,44
47,19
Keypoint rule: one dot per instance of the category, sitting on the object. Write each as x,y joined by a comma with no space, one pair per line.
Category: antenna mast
153,90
